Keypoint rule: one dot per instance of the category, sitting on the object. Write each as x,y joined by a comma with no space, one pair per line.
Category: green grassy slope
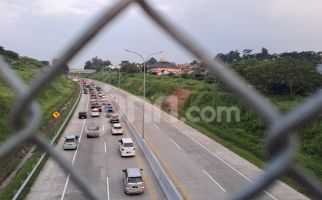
51,99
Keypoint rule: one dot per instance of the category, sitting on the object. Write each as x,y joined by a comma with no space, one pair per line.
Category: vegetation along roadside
286,82
60,95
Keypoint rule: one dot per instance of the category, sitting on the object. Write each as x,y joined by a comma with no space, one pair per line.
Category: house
165,67
162,67
199,70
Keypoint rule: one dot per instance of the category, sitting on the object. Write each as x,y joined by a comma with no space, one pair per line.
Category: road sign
56,114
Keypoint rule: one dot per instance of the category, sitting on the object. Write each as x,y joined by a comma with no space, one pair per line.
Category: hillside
52,99
245,137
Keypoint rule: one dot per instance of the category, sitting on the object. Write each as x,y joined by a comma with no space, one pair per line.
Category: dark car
82,115
114,119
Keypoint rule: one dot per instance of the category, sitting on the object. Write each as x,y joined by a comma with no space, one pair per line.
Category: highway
98,160
199,167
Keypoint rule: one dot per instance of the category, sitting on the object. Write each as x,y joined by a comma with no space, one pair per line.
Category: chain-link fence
281,140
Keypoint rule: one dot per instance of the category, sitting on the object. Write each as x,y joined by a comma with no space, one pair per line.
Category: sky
42,29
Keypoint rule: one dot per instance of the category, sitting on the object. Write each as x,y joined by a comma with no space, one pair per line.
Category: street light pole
144,72
118,91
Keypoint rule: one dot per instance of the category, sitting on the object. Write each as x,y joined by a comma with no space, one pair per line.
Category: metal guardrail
281,137
25,182
161,175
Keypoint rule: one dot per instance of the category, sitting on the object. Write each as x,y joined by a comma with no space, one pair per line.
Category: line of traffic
74,157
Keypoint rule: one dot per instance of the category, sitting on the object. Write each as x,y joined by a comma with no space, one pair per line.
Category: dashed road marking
214,181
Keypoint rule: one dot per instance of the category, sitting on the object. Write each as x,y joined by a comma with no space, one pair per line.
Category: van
127,147
133,181
70,142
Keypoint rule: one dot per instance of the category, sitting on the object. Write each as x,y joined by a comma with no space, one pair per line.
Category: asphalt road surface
98,160
200,168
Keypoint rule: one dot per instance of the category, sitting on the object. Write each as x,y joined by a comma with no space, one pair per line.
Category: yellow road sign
56,114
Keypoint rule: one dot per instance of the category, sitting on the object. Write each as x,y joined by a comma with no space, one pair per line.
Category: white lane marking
214,181
215,155
107,189
74,157
175,143
156,125
65,187
105,147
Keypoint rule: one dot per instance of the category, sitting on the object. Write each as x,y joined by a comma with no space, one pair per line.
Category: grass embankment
244,137
60,93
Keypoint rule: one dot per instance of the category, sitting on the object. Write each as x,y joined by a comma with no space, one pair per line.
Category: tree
264,53
151,61
97,63
282,76
10,54
194,62
231,57
88,65
247,53
128,67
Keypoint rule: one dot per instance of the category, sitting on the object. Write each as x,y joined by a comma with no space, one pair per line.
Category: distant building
165,67
199,70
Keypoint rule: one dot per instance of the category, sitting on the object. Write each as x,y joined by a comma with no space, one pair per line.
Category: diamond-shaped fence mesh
281,140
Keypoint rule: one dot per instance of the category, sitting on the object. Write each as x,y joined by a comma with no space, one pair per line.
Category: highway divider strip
51,143
163,178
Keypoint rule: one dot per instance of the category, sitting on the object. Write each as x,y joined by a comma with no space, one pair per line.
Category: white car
117,129
95,112
92,130
133,181
127,147
71,142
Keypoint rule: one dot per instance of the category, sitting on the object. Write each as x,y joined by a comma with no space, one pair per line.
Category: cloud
41,28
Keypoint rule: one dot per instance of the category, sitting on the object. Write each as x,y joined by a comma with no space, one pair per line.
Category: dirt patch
174,102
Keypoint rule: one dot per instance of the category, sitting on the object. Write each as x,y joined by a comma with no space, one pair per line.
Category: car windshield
69,140
128,145
135,179
118,127
92,127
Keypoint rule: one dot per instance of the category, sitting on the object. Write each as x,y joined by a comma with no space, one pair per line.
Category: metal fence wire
281,140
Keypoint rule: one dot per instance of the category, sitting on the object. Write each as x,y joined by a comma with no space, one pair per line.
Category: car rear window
135,179
69,140
128,145
92,127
